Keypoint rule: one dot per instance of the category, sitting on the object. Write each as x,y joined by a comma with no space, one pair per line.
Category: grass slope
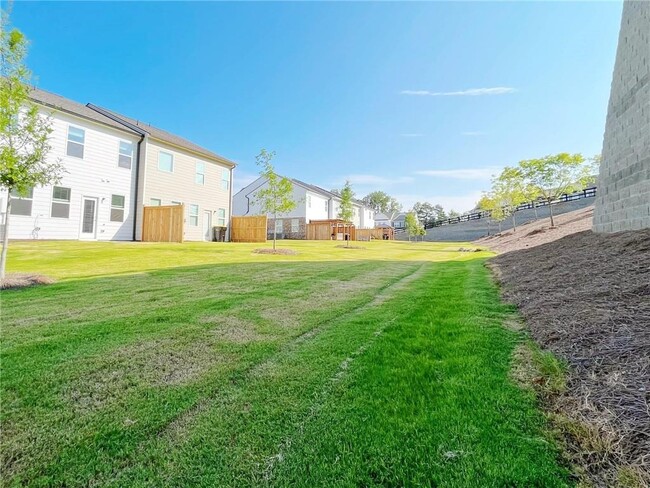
380,367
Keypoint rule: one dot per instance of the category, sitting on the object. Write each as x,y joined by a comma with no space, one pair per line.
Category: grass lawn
205,365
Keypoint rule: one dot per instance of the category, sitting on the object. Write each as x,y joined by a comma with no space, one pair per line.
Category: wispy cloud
414,134
472,92
365,179
461,174
473,133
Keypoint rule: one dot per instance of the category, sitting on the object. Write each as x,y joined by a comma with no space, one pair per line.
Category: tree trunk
535,208
488,225
275,228
514,223
5,237
550,210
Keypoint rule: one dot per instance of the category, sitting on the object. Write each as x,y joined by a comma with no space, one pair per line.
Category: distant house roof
400,216
117,121
381,216
63,104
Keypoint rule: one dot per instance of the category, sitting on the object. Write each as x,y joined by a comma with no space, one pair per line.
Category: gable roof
62,104
162,135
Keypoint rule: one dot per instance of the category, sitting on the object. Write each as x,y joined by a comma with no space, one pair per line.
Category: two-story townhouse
114,166
176,171
312,203
94,199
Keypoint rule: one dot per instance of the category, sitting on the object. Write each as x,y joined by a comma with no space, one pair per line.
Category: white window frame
82,144
117,207
327,205
151,204
199,176
281,226
29,198
176,202
193,217
60,201
295,225
221,217
120,154
225,179
171,155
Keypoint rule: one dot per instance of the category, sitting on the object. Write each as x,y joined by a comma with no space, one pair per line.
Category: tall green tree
427,213
24,132
555,175
346,209
276,198
382,202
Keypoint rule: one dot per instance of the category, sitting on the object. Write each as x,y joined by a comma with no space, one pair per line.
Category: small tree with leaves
276,198
556,175
346,209
24,132
509,191
412,225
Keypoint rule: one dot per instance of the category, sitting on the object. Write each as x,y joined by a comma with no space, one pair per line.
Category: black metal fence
586,193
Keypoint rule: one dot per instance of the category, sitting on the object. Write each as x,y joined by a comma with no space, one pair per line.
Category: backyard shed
331,230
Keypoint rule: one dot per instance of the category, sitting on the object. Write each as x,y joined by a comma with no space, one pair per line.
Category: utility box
219,233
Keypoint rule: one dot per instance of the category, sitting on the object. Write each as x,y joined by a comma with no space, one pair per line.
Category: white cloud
472,92
473,133
460,203
370,180
461,174
415,134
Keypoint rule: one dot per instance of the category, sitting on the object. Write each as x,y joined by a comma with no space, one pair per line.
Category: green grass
206,365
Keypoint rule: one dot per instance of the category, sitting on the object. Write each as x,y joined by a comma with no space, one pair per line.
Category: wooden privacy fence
248,229
163,223
380,233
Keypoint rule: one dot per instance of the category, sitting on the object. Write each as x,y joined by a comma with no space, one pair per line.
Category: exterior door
207,226
88,218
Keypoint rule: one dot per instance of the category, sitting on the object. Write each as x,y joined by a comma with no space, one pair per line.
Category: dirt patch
586,298
342,246
284,252
233,329
539,232
23,280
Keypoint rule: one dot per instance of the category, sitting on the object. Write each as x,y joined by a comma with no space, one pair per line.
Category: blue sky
422,100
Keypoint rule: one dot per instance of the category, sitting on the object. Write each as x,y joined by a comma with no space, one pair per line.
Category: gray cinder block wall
623,200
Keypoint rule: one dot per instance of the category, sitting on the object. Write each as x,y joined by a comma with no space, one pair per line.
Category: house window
60,202
166,162
155,202
22,204
194,215
199,176
279,225
327,205
117,208
225,180
76,138
309,201
295,225
174,202
221,217
125,157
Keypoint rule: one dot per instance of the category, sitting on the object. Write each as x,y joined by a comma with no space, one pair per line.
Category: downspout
137,187
232,181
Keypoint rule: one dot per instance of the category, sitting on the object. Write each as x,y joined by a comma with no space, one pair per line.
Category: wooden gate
248,229
163,223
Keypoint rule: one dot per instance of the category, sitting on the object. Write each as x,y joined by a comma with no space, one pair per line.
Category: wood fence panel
248,229
163,223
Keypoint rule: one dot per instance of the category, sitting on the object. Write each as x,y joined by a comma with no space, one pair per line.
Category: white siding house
94,199
114,166
313,203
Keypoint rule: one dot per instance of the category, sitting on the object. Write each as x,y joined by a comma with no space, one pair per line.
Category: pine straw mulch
22,280
586,298
284,252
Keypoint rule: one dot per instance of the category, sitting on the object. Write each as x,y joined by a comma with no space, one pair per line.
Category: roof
63,104
120,122
381,216
164,136
324,192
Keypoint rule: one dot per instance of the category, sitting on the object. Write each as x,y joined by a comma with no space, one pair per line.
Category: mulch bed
586,298
286,252
22,280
